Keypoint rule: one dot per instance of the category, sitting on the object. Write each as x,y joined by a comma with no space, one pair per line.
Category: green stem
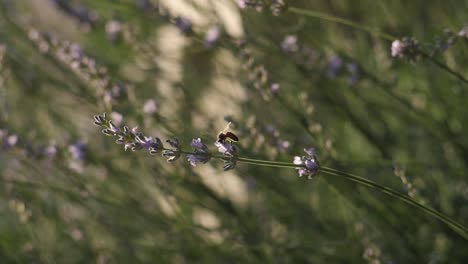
372,31
339,20
444,67
459,228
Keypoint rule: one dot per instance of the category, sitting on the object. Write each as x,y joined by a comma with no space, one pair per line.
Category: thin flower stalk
375,32
306,165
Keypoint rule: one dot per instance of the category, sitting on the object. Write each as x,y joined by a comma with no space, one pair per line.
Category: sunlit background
285,79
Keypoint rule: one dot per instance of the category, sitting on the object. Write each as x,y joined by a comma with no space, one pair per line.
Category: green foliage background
120,206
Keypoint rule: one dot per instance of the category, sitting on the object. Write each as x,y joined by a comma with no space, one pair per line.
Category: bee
227,136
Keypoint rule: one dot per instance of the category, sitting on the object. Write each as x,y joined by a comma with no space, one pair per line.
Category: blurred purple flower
212,36
78,150
334,66
290,44
150,106
184,24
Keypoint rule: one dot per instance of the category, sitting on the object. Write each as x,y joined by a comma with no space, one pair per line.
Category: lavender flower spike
309,164
201,153
153,145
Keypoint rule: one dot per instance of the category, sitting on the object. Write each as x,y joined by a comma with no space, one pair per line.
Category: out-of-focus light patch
226,10
170,45
184,9
226,184
230,17
225,95
167,205
210,223
205,218
46,15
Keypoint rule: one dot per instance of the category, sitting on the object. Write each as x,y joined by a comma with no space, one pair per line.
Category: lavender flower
184,24
405,48
334,66
78,150
172,154
290,44
201,153
309,164
212,36
227,149
113,29
153,145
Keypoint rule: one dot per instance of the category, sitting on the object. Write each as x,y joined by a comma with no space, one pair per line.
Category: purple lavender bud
184,24
148,143
172,154
310,151
212,36
308,164
201,153
198,144
290,44
78,150
334,66
229,165
226,149
174,143
156,146
100,120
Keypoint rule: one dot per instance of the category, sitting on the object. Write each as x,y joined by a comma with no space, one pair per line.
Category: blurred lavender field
378,89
